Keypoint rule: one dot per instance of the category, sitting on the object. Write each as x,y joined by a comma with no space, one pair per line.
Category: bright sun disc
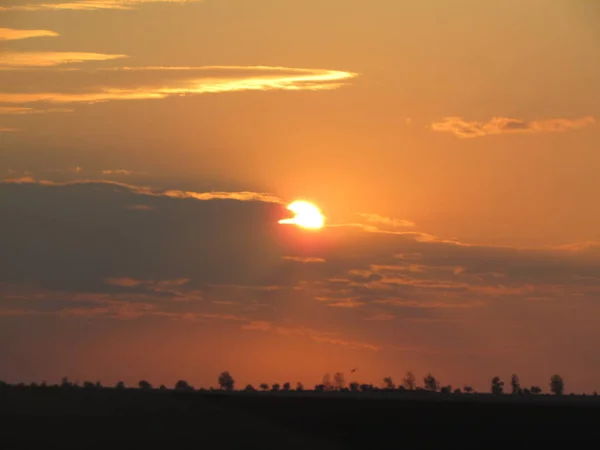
306,215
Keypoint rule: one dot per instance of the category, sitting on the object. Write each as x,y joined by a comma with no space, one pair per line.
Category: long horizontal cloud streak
88,5
49,59
267,78
9,34
143,190
504,125
22,110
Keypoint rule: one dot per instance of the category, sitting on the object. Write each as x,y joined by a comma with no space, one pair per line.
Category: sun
306,215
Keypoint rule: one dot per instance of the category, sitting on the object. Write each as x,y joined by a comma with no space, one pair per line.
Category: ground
80,419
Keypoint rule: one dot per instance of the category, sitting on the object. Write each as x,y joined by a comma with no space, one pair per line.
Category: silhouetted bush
557,385
410,381
226,381
497,386
182,385
144,385
430,383
514,384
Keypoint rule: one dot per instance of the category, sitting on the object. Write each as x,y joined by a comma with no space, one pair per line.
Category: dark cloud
106,250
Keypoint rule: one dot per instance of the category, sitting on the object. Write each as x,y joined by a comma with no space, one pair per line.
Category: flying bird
354,370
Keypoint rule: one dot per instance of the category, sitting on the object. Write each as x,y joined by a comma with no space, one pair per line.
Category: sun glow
306,215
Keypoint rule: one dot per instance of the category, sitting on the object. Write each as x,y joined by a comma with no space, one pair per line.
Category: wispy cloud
386,221
10,34
224,79
49,59
88,5
504,125
303,259
22,110
7,130
117,172
318,336
144,190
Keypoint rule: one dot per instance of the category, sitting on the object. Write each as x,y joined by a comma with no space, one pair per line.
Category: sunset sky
148,150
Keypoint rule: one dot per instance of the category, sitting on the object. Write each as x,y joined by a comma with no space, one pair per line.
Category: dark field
54,418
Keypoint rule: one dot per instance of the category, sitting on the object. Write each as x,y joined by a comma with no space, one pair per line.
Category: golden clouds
205,80
22,110
49,59
505,125
88,5
9,34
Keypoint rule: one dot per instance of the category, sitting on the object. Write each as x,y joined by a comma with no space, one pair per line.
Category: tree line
338,383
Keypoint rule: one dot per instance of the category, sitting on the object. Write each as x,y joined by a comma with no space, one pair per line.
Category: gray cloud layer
91,250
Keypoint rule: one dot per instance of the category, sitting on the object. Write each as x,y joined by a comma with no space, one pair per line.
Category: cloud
88,5
504,125
124,83
145,190
386,221
7,129
10,34
303,259
117,172
49,59
76,251
22,110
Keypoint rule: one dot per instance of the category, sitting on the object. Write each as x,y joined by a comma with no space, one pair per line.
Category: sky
148,150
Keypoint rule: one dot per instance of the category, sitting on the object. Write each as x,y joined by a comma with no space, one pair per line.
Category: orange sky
148,149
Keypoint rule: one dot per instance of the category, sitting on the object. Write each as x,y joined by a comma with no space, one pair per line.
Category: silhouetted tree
514,384
327,382
275,387
410,381
65,383
536,390
468,389
162,387
299,387
144,385
339,382
557,385
366,387
446,389
287,387
182,385
320,388
98,385
120,385
354,387
497,386
388,383
88,385
431,384
264,387
249,388
226,381
457,391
